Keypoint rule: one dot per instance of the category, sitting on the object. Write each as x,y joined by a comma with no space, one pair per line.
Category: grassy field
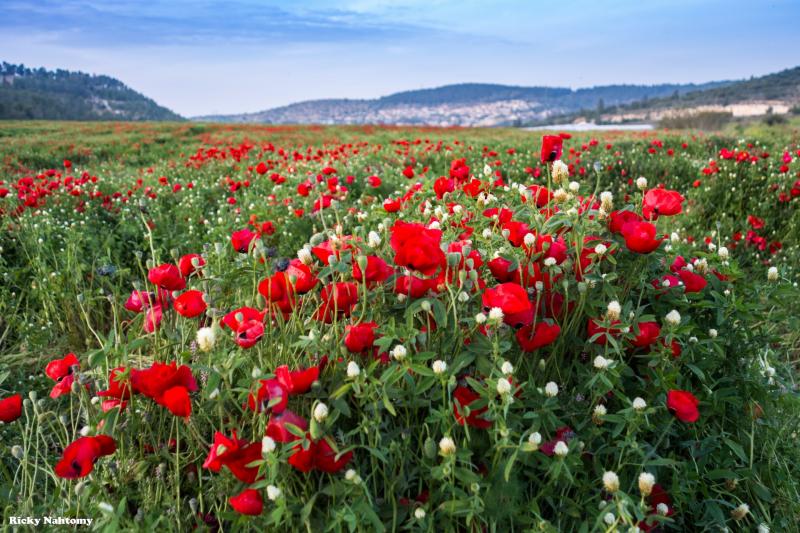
382,328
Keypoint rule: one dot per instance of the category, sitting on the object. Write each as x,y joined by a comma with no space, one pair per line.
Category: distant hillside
776,93
467,104
27,93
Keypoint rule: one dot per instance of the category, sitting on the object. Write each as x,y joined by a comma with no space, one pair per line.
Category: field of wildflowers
373,328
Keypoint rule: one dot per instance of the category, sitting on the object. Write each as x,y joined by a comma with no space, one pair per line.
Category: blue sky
201,57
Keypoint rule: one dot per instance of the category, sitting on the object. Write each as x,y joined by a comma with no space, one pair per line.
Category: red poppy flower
417,247
270,395
244,314
513,299
531,339
242,239
659,202
337,299
463,397
167,276
296,381
684,405
10,408
692,282
617,220
186,264
152,318
249,501
277,427
162,383
376,271
190,304
648,334
138,300
79,457
303,279
360,337
640,237
235,454
61,370
412,286
249,333
320,455
552,145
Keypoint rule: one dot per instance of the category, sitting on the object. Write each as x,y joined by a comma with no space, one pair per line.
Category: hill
27,93
466,104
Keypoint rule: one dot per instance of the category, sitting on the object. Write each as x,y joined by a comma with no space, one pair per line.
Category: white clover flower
419,513
560,171
350,475
487,233
772,274
496,314
712,333
723,252
507,368
601,363
561,449
673,318
639,404
550,261
463,297
574,186
600,410
480,318
741,511
662,509
535,439
609,518
646,482
674,237
613,310
447,446
353,370
529,239
606,201
551,389
600,249
267,446
305,257
611,481
106,507
539,286
206,339
641,183
503,386
373,239
439,367
399,352
320,412
273,492
560,196
763,528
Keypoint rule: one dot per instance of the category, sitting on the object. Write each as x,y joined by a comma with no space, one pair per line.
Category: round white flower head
320,412
206,339
646,482
600,410
529,239
350,475
607,201
741,511
609,518
486,233
305,257
763,528
373,239
535,438
267,445
480,318
674,237
550,261
772,274
673,318
611,481
712,333
574,186
503,386
399,352
561,449
551,389
419,513
600,249
273,492
560,171
662,509
353,370
613,310
507,368
496,314
439,367
641,183
639,404
723,252
601,363
447,446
